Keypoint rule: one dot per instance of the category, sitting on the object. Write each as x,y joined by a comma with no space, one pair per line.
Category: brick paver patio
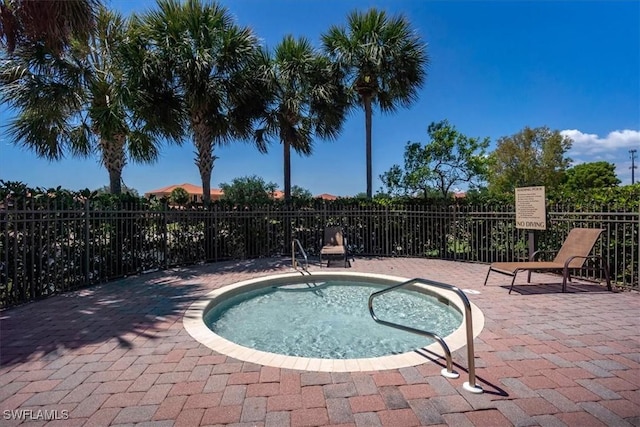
117,354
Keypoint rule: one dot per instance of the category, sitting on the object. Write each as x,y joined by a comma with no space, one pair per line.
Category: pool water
330,320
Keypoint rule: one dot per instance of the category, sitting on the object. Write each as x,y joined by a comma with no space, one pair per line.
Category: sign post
531,212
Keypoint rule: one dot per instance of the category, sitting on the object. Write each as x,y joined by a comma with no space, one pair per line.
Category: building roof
197,190
189,188
326,196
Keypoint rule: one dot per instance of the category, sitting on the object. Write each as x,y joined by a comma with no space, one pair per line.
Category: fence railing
49,249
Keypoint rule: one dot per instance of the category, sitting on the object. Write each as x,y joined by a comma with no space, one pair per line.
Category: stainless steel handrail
293,254
469,386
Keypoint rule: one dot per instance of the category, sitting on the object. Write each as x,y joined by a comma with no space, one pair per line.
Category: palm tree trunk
114,161
367,118
287,169
203,141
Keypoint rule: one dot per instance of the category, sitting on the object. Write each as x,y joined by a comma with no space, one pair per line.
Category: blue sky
495,67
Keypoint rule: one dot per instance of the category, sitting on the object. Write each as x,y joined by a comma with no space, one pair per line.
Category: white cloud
614,148
589,143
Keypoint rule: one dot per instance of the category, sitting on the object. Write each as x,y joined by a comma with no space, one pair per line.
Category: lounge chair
334,244
572,255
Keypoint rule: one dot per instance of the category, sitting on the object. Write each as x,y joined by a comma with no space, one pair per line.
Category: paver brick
156,394
233,395
309,417
135,414
222,415
367,419
103,417
399,418
491,417
389,378
88,406
416,391
243,378
340,390
170,408
203,400
289,383
46,398
122,400
370,403
192,417
269,374
277,419
254,409
313,397
263,389
284,402
393,398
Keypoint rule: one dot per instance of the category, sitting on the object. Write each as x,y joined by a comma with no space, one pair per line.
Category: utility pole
633,165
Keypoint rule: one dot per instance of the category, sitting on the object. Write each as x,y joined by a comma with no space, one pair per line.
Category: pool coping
194,324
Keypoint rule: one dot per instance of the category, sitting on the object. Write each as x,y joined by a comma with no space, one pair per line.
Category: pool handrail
470,386
295,242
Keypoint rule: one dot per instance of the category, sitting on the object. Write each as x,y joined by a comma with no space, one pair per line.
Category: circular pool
321,321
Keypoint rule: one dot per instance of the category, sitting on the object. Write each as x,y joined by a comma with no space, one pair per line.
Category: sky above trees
495,67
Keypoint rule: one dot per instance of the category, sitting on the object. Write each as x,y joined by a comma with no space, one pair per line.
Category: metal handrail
293,254
448,372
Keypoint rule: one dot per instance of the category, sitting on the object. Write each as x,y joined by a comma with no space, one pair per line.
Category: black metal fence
45,249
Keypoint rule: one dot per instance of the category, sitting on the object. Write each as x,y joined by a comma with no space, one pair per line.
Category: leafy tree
179,196
195,56
307,99
301,193
448,159
248,190
52,24
80,101
531,157
384,61
125,190
591,175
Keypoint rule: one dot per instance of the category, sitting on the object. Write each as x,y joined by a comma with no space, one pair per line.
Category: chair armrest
571,258
533,255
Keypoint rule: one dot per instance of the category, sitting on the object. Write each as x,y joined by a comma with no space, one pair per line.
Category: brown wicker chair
334,244
572,255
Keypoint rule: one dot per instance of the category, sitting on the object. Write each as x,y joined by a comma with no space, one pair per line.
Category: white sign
531,208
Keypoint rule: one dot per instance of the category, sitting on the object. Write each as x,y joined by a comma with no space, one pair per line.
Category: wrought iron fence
48,248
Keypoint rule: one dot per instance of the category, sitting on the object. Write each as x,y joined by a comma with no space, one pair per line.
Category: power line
633,165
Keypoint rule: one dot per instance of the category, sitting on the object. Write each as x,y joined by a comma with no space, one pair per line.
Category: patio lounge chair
334,244
572,255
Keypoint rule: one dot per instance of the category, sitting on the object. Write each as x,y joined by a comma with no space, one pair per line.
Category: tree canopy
531,157
384,61
248,190
205,65
52,24
591,175
179,196
448,159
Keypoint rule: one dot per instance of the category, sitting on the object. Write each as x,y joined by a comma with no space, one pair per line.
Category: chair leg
565,276
529,276
487,278
513,281
606,273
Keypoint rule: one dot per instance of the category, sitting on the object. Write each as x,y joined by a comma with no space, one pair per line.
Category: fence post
87,258
165,235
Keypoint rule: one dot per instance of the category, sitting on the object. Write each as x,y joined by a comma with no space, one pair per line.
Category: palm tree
79,101
384,61
207,64
306,99
52,23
